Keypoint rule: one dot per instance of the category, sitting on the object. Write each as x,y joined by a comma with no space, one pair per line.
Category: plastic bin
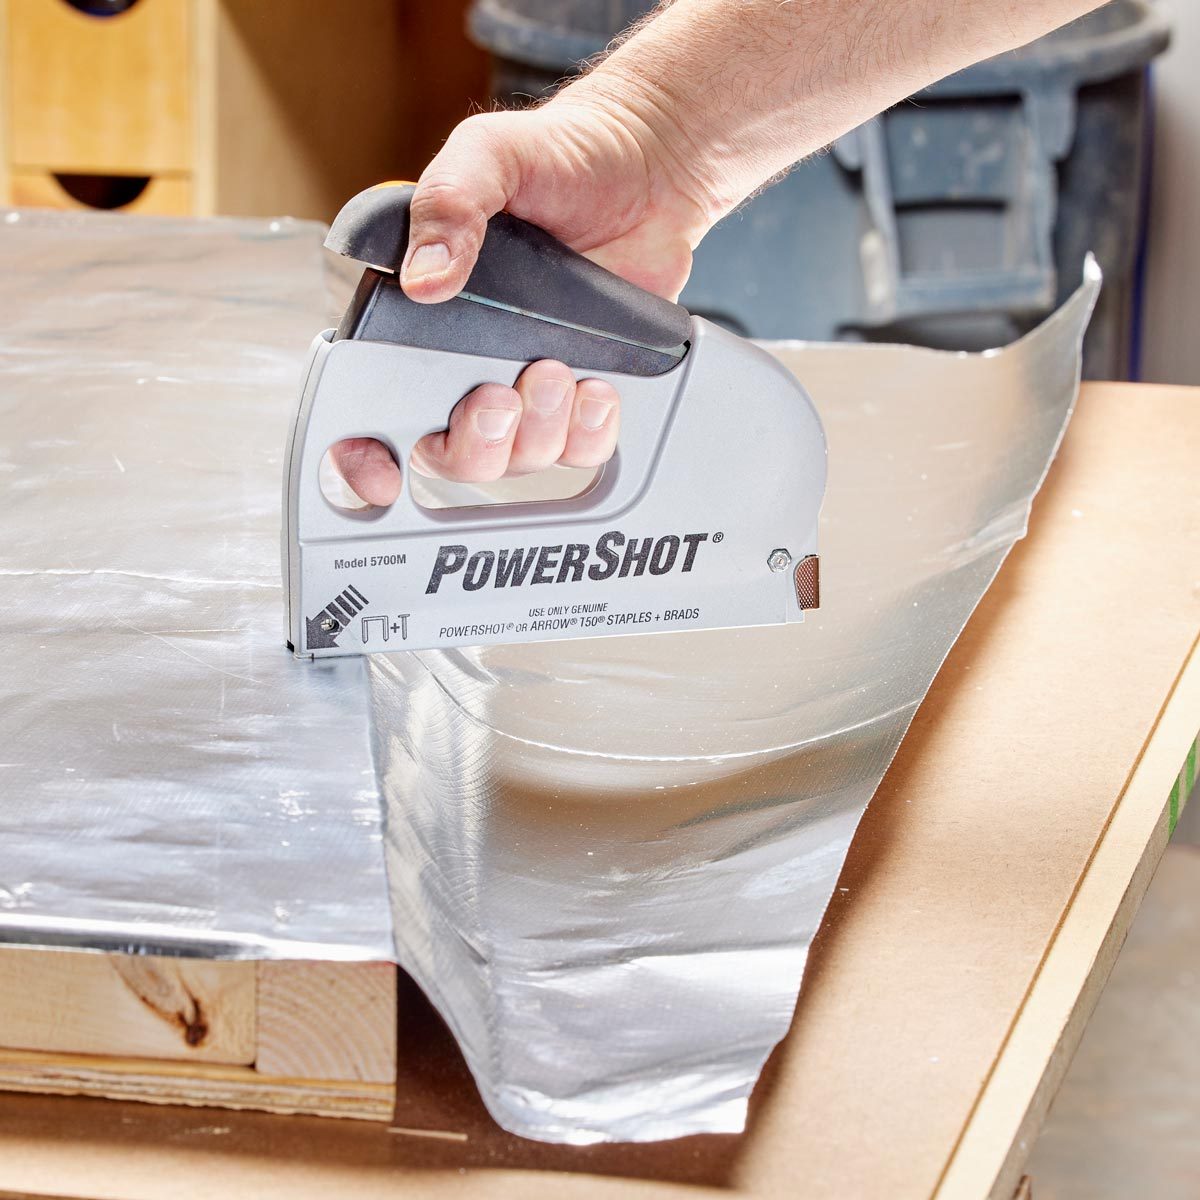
957,222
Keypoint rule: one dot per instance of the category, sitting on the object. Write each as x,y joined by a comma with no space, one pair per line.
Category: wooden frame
290,1037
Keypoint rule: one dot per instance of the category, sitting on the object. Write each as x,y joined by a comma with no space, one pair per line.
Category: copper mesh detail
808,582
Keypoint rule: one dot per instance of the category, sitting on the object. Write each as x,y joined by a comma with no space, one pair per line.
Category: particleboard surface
990,886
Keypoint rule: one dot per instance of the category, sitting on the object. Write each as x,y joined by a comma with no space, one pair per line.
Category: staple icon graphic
321,631
367,622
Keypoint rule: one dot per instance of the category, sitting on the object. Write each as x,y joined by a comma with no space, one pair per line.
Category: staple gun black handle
528,297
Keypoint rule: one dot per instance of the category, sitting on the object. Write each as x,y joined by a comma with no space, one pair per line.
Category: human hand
545,418
634,162
592,171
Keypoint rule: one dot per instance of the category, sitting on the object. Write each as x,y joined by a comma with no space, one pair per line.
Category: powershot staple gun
706,518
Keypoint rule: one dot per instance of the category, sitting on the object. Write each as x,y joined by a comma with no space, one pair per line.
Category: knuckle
446,199
456,468
529,463
491,471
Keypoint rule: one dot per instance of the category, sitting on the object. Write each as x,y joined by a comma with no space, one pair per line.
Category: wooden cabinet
160,194
244,107
100,94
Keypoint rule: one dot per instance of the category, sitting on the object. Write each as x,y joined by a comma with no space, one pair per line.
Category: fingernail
494,423
427,260
548,395
593,413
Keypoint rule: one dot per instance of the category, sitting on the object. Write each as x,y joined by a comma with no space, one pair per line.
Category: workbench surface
984,899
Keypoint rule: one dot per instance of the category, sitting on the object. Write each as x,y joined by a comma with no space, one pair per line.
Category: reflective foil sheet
608,858
170,778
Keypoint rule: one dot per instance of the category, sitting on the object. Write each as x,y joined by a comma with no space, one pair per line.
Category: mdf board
238,107
294,1037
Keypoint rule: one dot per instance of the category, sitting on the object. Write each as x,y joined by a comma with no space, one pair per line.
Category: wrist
635,110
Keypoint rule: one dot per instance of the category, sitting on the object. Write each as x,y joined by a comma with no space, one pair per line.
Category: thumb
471,179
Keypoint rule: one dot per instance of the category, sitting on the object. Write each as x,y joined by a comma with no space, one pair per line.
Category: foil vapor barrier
605,860
171,780
608,858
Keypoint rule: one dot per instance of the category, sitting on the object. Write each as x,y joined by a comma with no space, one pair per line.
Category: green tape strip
1181,789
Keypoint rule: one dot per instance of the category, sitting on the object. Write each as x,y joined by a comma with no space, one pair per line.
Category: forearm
735,91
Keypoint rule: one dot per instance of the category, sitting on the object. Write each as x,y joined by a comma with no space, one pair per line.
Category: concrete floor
1126,1123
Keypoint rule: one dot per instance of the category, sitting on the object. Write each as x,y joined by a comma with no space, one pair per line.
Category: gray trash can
957,222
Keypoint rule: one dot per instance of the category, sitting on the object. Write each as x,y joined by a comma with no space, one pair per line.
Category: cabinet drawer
170,196
100,93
